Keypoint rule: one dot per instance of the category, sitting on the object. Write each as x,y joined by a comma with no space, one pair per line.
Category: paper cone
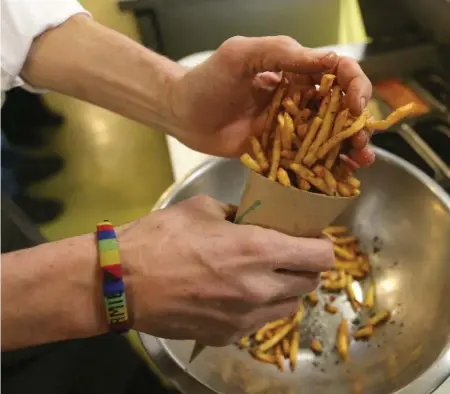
291,211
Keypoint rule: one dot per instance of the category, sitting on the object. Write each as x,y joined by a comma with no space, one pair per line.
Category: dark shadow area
26,122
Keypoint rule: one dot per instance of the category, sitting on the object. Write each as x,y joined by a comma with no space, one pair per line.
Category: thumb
280,53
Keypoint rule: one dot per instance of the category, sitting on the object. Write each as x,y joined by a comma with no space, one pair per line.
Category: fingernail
363,103
329,58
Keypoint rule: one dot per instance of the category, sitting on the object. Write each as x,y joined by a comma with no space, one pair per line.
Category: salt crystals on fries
278,342
304,136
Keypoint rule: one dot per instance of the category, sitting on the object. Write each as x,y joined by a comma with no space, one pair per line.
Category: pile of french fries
303,141
280,339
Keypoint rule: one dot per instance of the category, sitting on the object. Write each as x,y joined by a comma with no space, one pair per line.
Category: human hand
190,274
220,102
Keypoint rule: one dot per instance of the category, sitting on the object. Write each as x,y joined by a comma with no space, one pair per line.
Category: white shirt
21,22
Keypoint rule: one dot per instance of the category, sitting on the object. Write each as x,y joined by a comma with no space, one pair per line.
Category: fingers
355,83
210,206
278,53
351,164
283,252
361,139
267,80
364,157
295,284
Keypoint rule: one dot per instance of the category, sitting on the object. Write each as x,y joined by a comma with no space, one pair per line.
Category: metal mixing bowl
403,220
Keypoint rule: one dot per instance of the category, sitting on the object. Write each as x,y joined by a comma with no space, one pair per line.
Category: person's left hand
219,103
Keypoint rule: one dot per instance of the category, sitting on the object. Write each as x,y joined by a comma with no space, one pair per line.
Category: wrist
128,260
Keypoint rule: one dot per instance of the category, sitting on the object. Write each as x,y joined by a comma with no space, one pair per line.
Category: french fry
251,163
283,177
288,154
379,319
302,170
288,132
343,253
333,285
347,133
331,308
345,265
275,155
325,128
279,357
356,273
312,298
244,342
280,333
363,333
337,128
295,343
327,176
353,182
264,357
342,171
260,334
364,263
259,154
316,346
344,190
394,117
302,184
351,294
298,317
302,130
302,117
286,346
336,230
309,176
349,239
325,84
326,275
342,340
272,112
310,135
324,106
290,107
369,300
268,335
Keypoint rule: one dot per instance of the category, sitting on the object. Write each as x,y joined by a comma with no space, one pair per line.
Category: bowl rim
166,362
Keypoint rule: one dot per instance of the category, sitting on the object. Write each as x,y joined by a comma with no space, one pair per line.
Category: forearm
52,292
88,61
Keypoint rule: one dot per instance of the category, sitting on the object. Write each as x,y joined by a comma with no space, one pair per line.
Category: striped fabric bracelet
113,285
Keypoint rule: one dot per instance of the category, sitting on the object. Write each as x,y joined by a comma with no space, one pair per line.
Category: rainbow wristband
113,285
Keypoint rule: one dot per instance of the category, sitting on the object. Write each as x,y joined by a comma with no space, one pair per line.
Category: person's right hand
190,274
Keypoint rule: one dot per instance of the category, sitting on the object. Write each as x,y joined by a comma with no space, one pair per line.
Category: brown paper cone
291,211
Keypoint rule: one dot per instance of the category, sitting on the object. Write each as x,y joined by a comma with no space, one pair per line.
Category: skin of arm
52,292
104,67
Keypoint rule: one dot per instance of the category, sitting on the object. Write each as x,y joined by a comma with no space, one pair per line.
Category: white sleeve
21,22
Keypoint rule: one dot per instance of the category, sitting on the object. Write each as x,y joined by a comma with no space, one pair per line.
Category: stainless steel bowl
407,216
